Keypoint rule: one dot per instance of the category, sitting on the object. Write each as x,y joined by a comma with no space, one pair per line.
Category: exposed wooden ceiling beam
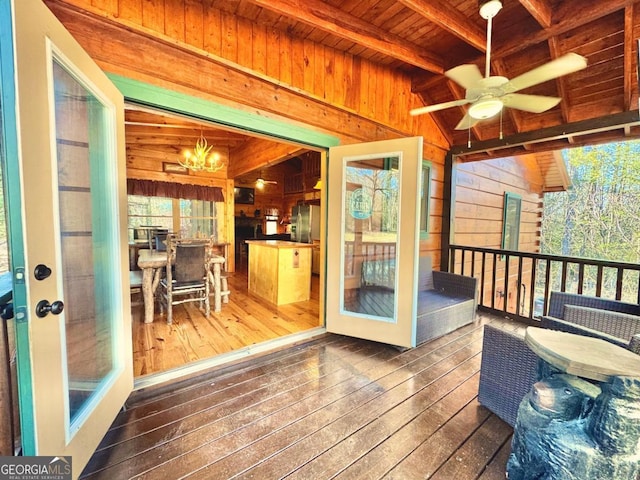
540,10
584,127
629,71
450,19
567,19
333,20
561,83
257,153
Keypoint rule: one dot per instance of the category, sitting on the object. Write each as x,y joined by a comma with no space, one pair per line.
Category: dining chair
186,279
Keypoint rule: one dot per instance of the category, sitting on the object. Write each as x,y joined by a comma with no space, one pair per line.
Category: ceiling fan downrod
488,11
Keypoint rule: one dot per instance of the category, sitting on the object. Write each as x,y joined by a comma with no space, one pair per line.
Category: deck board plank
332,407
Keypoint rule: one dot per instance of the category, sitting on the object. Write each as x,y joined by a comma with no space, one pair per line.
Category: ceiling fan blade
569,63
467,122
466,76
529,103
438,106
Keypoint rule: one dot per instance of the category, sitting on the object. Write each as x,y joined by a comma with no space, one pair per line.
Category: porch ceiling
425,39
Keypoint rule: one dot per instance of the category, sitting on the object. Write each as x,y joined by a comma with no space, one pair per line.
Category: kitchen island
280,271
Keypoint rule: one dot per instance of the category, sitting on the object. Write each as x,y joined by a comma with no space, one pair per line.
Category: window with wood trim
511,221
189,218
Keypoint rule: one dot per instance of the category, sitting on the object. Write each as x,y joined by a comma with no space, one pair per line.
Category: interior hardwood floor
334,407
244,321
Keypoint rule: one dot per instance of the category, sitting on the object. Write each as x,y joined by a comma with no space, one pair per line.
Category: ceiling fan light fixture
260,183
485,108
490,9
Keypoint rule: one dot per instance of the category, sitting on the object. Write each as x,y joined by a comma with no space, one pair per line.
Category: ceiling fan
261,182
489,94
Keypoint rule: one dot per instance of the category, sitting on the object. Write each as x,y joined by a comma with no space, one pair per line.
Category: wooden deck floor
335,407
244,321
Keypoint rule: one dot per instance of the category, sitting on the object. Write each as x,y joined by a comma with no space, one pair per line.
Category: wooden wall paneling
106,5
228,225
212,30
153,15
363,108
339,78
245,42
372,83
259,47
195,27
175,21
131,10
273,53
329,62
230,43
352,78
309,62
298,63
286,59
386,100
318,71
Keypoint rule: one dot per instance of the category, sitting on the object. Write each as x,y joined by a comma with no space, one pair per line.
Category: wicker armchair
509,367
611,320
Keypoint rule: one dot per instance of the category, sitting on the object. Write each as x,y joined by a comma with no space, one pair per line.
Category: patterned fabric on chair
186,278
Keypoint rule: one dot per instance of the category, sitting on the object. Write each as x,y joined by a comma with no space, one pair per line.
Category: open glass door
373,233
68,237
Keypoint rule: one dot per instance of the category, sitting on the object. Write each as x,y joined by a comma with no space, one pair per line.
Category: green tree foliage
599,216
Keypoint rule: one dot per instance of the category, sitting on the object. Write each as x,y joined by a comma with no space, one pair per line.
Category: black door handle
44,307
41,272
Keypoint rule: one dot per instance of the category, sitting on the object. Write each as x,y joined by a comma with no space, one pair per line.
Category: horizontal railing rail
519,283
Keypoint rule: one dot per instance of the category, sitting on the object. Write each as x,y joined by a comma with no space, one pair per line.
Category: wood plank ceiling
427,37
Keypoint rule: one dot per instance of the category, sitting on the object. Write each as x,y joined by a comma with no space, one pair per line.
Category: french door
373,240
63,132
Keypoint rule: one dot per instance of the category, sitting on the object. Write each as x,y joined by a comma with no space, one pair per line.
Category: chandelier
201,159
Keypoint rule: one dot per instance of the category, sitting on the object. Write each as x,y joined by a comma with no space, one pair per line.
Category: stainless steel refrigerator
305,223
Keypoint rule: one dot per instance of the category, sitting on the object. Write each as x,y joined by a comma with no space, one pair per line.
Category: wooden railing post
558,269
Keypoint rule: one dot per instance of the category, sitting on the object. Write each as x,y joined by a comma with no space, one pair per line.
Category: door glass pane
88,242
370,236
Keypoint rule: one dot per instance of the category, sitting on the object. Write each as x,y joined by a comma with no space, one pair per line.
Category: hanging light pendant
201,159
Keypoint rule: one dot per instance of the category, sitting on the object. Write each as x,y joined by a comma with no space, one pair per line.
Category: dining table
151,262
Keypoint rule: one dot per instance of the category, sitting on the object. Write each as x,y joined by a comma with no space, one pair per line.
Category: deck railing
519,283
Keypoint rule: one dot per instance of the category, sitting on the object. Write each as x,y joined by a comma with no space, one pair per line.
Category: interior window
197,218
189,218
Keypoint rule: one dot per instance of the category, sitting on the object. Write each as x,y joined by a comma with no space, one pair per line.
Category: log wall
480,189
